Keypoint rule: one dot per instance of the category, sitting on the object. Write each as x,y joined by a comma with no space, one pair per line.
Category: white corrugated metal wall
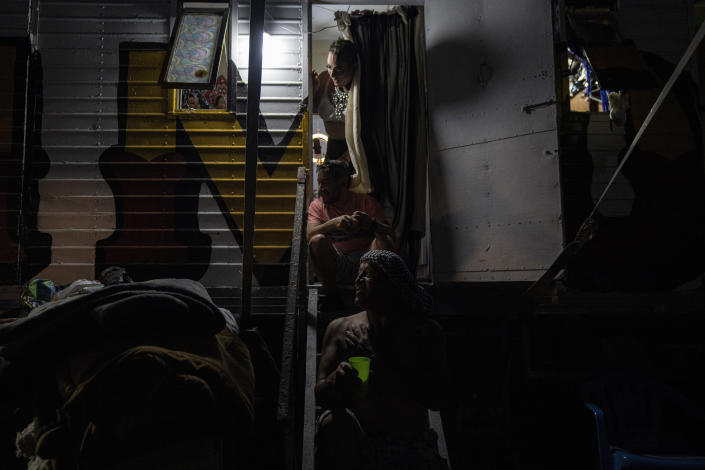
80,42
282,60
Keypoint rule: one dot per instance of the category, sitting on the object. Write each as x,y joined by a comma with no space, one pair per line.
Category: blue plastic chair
643,424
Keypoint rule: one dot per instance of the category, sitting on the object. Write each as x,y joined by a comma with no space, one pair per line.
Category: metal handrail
310,364
286,411
296,265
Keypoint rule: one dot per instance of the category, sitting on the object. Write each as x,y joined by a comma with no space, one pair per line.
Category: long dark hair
344,51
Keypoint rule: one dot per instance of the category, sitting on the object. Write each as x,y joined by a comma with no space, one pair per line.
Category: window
212,98
197,63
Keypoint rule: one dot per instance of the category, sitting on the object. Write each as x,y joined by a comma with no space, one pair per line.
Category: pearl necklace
340,102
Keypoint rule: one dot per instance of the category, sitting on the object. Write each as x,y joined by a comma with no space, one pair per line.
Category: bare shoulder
335,326
356,319
340,324
332,350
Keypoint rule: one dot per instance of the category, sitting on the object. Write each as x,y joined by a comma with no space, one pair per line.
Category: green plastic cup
361,365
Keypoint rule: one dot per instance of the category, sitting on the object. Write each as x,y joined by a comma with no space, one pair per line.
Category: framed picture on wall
196,46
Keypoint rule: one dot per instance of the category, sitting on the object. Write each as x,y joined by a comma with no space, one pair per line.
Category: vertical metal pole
307,85
254,84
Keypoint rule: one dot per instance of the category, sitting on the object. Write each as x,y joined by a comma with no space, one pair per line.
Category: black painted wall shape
22,257
36,245
156,203
156,234
11,169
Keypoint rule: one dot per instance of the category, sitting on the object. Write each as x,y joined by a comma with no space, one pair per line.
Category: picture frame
195,48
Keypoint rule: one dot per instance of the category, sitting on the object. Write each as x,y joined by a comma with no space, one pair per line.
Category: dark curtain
393,114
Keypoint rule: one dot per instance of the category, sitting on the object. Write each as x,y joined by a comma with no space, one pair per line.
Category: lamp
318,158
271,50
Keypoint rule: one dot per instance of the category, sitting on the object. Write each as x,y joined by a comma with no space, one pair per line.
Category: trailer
104,163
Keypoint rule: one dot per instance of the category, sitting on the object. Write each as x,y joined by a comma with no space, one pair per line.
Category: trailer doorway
382,131
324,30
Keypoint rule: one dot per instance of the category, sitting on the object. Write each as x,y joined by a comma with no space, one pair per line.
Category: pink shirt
319,213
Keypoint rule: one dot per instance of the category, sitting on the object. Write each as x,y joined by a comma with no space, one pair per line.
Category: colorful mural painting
156,171
18,207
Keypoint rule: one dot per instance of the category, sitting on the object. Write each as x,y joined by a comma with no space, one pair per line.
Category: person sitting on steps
342,226
382,422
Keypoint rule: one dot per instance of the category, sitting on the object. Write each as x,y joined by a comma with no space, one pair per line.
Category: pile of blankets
115,375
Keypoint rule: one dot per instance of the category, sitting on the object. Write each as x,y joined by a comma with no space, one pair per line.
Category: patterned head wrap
398,274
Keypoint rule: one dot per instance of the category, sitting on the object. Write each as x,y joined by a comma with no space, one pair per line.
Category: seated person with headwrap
342,225
383,422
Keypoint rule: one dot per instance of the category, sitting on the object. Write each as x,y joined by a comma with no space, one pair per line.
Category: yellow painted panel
220,141
149,122
148,60
267,187
217,120
145,89
141,74
218,170
237,154
145,65
263,203
212,138
280,220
